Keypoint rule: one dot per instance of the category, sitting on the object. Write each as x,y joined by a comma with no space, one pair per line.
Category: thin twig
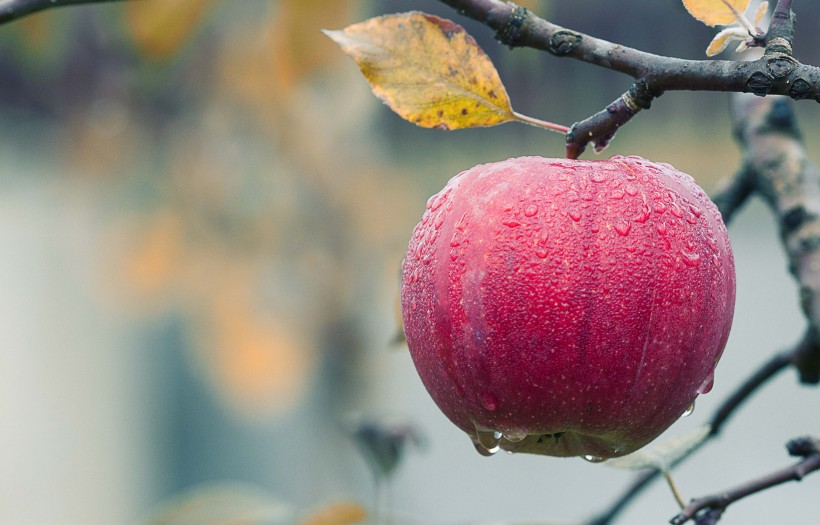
11,10
706,506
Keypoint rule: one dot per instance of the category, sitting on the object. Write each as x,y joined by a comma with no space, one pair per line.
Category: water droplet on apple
515,435
489,400
512,223
617,194
659,207
631,190
677,212
575,214
435,202
483,451
531,210
597,177
661,226
644,214
707,384
689,410
541,252
622,227
594,459
487,442
695,210
689,258
439,221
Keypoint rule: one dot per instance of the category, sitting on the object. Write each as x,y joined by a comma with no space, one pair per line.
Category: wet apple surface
568,308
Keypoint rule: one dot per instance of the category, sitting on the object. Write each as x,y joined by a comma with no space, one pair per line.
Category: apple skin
565,307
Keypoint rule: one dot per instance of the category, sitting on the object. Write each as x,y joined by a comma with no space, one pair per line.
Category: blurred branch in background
15,9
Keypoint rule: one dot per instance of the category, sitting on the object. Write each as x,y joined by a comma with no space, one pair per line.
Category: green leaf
662,455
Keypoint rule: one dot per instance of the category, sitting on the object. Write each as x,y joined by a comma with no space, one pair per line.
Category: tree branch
781,28
11,10
777,166
708,510
777,72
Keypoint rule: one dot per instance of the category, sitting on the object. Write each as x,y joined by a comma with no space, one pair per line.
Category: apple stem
674,488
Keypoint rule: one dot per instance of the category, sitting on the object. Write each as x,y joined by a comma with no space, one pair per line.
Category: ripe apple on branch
577,308
530,286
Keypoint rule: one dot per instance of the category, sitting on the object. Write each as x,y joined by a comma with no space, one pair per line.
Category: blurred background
202,215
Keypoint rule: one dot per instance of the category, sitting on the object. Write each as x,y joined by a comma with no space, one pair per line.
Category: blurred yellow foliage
261,364
156,259
342,513
36,31
295,48
159,27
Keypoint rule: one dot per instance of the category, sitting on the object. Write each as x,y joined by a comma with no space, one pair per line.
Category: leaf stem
741,19
558,128
667,474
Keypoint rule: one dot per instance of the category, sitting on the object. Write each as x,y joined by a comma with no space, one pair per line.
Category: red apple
565,307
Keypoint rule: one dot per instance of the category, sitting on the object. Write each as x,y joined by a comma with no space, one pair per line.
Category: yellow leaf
716,12
428,70
723,39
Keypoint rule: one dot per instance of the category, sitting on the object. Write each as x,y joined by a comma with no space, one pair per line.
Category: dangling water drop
481,450
594,459
515,435
487,442
689,410
707,384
